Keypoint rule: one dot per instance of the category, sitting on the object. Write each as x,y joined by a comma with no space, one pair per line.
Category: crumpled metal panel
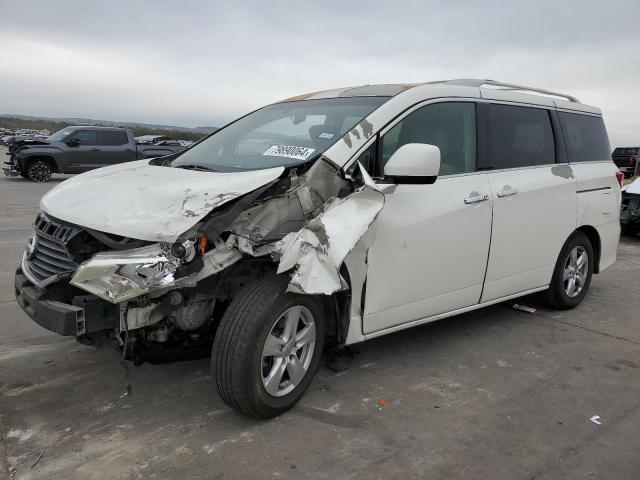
318,249
148,202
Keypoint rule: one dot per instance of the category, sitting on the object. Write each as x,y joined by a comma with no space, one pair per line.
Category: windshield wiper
195,166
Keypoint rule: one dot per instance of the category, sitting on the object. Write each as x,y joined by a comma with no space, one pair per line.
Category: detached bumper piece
86,313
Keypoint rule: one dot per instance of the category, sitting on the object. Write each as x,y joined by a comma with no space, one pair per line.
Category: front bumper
61,318
10,169
85,315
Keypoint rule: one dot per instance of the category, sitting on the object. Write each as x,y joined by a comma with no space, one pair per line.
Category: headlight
184,251
122,275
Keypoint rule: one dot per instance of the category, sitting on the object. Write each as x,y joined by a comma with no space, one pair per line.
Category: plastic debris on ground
523,308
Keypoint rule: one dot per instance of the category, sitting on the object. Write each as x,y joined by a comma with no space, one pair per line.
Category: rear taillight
619,177
632,161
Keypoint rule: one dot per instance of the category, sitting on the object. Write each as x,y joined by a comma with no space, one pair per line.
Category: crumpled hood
148,202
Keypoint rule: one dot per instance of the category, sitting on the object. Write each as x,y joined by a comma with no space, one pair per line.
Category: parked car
626,158
328,219
630,208
76,150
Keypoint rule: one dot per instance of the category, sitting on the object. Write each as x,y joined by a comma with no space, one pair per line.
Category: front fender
25,157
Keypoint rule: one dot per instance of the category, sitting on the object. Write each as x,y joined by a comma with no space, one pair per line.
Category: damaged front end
630,208
167,296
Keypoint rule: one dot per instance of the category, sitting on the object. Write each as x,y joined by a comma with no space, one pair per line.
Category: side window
585,136
449,126
84,137
519,137
112,138
366,158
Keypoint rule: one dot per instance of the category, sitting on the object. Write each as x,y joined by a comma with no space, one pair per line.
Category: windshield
283,134
60,134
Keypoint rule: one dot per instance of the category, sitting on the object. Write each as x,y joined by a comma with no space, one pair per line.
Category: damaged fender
318,249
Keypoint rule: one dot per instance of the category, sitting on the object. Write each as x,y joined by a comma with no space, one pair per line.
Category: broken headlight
121,275
185,251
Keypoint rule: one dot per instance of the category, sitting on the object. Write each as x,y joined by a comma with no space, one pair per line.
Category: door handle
476,198
507,191
94,149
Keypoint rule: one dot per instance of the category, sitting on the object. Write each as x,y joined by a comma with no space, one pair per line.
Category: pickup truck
626,159
77,150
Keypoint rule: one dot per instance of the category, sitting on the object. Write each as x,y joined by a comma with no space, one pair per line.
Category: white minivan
327,219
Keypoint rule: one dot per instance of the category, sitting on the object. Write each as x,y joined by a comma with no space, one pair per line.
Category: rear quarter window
586,137
112,138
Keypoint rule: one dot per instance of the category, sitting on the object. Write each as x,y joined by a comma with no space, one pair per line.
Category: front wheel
39,171
267,348
572,273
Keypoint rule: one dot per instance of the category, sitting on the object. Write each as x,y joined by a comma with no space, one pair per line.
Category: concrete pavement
495,394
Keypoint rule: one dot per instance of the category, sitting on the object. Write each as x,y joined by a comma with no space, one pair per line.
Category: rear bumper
58,317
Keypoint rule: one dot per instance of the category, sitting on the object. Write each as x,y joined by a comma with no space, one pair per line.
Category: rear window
626,151
112,138
519,137
585,137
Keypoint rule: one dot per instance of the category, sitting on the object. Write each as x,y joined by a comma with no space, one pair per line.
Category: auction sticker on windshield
299,153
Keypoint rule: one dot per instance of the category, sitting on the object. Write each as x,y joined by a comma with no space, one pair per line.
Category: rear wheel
267,348
572,273
39,171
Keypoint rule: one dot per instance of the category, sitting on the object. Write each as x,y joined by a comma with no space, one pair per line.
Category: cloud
195,63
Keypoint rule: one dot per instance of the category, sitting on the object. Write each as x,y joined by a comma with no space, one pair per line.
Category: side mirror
414,163
74,142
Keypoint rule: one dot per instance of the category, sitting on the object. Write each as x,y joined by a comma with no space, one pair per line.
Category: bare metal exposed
327,219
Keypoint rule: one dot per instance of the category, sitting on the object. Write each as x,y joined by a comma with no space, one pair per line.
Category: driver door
431,243
84,154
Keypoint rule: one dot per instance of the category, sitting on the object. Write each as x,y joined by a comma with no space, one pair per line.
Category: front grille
47,254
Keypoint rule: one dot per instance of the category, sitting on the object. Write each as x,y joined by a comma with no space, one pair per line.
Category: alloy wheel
288,351
576,269
39,172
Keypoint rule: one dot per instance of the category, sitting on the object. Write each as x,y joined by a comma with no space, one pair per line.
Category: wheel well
48,160
594,237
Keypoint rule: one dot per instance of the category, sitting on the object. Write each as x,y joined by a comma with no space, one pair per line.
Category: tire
247,380
558,296
39,171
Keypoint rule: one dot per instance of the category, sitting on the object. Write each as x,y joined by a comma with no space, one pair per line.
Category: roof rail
475,82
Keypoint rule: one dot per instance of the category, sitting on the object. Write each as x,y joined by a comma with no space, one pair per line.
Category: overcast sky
194,63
